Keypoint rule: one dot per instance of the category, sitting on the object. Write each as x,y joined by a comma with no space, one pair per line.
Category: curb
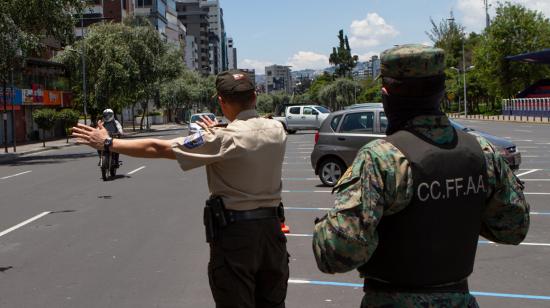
503,120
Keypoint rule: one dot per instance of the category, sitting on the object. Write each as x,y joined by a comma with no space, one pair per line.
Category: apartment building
278,78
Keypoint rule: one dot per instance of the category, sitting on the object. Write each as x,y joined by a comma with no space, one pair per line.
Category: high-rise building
204,20
231,54
375,66
278,78
195,19
161,13
251,74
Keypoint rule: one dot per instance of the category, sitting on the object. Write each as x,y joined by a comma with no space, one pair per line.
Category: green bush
69,118
45,119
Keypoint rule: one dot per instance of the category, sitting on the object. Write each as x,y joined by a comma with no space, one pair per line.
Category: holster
281,212
214,218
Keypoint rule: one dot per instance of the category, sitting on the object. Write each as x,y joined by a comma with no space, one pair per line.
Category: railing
533,107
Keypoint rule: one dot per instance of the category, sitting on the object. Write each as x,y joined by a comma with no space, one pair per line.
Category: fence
533,107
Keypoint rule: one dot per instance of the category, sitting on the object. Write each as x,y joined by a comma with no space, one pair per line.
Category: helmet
108,115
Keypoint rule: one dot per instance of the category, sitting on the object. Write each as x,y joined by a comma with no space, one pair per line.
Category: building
251,74
278,78
191,53
375,66
161,13
195,20
204,20
231,54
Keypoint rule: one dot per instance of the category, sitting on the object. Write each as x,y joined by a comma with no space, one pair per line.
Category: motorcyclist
113,127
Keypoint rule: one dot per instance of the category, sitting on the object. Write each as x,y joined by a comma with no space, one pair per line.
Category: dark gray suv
344,132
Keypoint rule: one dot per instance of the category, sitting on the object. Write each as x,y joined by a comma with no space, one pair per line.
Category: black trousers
248,265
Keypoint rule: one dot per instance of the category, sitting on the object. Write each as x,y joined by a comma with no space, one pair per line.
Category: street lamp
464,71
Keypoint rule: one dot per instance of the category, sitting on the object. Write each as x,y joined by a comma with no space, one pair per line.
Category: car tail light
316,136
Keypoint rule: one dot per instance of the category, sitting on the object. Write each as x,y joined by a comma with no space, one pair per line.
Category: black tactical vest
433,241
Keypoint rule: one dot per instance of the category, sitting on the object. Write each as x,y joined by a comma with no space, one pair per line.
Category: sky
301,33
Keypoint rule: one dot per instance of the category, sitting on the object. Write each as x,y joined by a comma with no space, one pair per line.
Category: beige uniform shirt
243,161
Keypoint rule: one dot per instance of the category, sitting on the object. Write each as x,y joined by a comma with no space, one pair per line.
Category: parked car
302,117
193,126
345,132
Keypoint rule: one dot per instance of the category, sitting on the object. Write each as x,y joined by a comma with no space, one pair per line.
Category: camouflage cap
233,81
412,61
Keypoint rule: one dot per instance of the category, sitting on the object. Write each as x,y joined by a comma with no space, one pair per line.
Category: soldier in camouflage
410,209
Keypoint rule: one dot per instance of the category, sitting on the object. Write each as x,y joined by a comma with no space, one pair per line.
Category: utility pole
84,99
464,75
5,118
487,18
13,113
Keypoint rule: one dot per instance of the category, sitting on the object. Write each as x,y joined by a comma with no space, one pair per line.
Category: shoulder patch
193,141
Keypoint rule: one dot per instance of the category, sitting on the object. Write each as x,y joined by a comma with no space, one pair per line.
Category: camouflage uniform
379,183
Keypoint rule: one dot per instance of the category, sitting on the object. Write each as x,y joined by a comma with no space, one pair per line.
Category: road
68,239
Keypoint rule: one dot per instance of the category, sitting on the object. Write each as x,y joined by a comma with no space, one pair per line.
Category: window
308,111
322,109
383,122
294,110
360,122
334,122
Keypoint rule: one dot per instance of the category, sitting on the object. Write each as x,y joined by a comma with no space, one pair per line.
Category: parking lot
68,239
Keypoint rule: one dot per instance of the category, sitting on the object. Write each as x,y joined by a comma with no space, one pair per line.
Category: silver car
341,135
344,132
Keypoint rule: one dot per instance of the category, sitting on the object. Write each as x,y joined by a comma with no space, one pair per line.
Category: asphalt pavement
68,239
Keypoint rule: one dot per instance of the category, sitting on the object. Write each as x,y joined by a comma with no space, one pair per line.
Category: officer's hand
206,123
94,137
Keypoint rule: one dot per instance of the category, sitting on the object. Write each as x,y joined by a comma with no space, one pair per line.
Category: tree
69,118
319,83
342,92
448,35
264,103
341,57
371,91
45,119
514,30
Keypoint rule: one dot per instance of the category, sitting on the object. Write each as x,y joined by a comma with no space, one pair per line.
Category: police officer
248,258
114,129
410,208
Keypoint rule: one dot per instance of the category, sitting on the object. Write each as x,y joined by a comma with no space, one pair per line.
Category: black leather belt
260,213
380,286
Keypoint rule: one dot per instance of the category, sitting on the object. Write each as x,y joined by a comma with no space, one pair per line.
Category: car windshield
196,117
322,109
460,126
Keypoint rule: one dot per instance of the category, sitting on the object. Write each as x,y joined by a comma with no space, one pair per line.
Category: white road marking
528,172
523,130
138,169
28,221
536,193
536,180
14,175
522,140
530,156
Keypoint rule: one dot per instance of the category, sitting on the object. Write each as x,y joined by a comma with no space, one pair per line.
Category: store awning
537,57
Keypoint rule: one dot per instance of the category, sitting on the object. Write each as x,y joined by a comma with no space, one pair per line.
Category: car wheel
330,171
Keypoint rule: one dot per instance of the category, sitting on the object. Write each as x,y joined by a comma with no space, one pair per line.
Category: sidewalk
36,146
502,118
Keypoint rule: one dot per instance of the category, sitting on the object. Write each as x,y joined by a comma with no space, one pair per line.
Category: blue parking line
475,293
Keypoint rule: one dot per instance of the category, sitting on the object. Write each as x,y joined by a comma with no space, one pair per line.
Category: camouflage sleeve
505,218
346,238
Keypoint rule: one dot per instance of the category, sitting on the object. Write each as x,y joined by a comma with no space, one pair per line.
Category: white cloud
473,11
370,32
257,65
308,60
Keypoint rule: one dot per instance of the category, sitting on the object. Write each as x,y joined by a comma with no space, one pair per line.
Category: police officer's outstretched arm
147,148
505,219
346,237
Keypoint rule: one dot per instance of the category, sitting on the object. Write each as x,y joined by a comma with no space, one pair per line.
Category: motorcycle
109,163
